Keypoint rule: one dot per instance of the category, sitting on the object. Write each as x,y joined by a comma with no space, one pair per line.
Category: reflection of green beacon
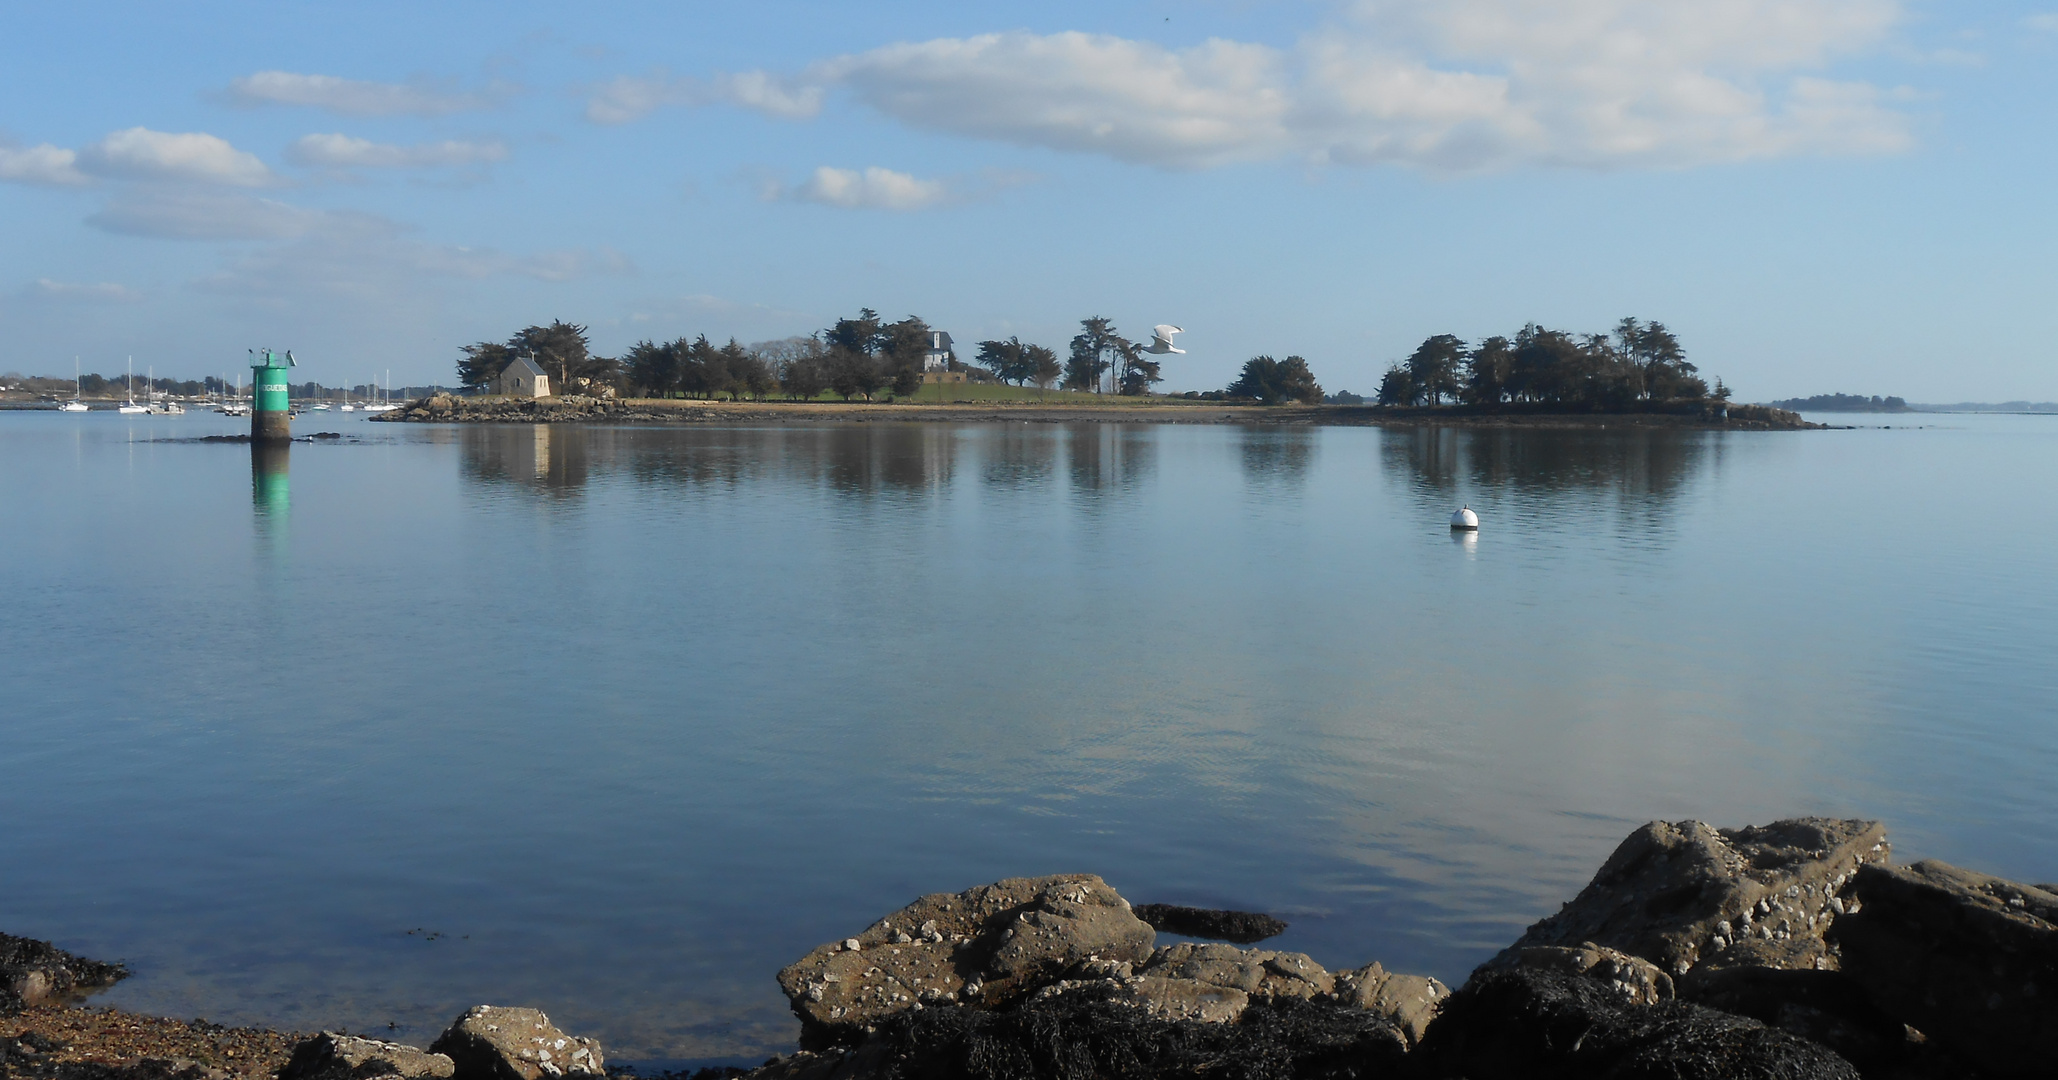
269,489
269,418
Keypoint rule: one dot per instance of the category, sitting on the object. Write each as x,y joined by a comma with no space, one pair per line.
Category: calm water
620,721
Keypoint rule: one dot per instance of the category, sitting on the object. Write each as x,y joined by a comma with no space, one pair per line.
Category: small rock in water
1241,927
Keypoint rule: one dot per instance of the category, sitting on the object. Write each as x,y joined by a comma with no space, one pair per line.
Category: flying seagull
1161,339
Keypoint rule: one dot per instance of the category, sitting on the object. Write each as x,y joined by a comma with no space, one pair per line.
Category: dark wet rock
1684,893
987,946
491,1042
34,971
1256,972
329,1056
1084,1034
1969,959
1534,1024
1409,1001
1239,927
1827,1007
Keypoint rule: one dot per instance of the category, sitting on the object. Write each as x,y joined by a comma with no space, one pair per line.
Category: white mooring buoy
1465,519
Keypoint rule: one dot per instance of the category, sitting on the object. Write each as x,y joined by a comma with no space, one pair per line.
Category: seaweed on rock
1081,1035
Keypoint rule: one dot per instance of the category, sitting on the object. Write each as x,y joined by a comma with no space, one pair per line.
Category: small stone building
523,379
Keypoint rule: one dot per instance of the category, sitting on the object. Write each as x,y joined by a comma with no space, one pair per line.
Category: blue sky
1818,195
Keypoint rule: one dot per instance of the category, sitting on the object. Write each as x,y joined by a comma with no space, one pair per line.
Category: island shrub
1274,382
561,349
1635,367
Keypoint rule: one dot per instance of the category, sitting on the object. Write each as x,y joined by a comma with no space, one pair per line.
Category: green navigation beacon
270,418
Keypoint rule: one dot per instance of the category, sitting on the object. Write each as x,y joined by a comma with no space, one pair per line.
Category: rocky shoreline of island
570,409
1794,949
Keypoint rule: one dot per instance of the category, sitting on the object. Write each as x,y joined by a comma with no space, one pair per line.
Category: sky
1816,195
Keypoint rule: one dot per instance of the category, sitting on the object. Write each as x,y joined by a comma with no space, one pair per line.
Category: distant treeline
1843,403
91,385
1637,364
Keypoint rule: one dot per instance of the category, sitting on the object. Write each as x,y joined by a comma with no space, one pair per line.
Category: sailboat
74,405
130,407
166,407
235,405
384,405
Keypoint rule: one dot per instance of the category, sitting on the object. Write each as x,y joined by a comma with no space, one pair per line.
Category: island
864,369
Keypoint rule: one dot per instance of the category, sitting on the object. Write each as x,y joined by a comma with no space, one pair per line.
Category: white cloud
1218,102
44,164
337,151
353,97
1445,85
96,292
630,97
142,154
874,189
2042,21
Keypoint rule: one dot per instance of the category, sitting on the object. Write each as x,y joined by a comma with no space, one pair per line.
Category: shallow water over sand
617,721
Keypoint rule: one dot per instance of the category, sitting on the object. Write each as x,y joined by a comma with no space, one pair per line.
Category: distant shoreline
1158,411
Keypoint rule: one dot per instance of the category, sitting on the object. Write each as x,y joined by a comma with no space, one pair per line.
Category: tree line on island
860,357
1637,365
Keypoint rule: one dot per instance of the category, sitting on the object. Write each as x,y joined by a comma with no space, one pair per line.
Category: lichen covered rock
985,945
491,1042
1685,893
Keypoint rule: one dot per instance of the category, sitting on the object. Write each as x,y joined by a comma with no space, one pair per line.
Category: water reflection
1639,475
858,460
1109,459
270,492
1019,454
1274,454
535,456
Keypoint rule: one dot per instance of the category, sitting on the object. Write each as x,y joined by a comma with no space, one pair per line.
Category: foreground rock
491,1042
1256,972
987,946
329,1056
1969,959
1680,894
1639,981
33,972
1409,1001
1535,1025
